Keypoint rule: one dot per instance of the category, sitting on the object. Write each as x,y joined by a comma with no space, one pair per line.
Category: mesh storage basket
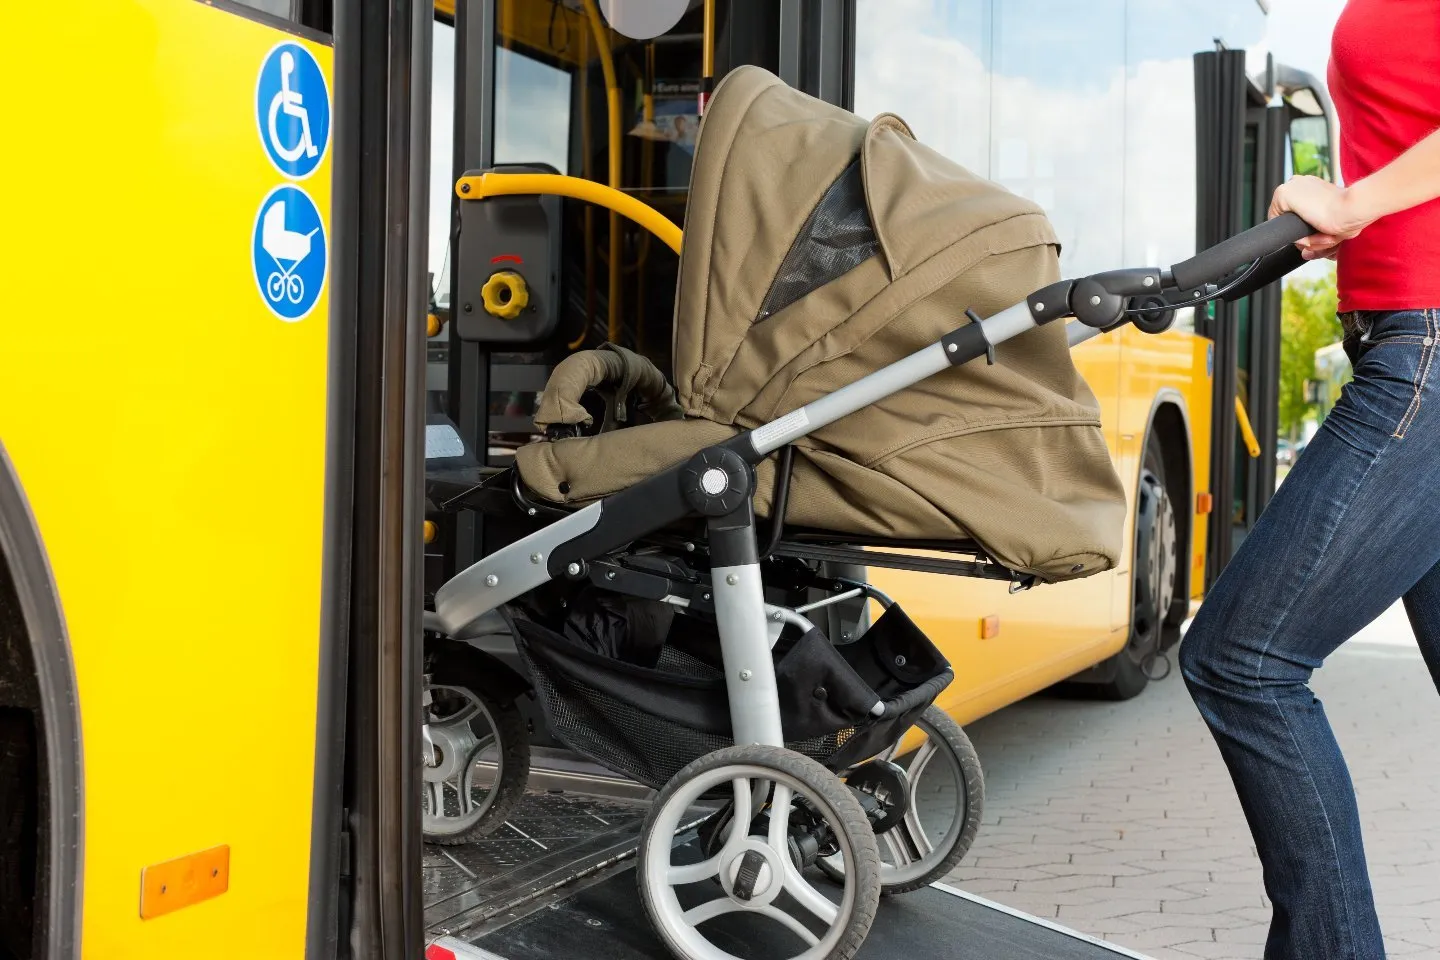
647,722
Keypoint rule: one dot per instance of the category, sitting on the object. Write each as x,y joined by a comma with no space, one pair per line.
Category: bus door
1252,134
204,497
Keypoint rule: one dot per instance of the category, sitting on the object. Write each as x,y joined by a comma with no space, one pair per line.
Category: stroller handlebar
1270,238
1229,270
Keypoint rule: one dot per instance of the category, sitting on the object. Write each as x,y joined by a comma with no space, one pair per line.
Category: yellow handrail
1252,445
483,185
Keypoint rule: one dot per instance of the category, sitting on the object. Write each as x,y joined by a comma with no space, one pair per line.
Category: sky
1300,32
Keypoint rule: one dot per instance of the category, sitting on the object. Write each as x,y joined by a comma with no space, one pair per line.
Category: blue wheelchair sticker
288,250
292,107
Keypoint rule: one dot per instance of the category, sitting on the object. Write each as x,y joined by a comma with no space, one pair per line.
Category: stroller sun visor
820,247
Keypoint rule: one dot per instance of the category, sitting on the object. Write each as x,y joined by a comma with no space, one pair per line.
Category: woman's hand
1324,206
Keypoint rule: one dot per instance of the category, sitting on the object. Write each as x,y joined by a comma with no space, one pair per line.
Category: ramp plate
560,875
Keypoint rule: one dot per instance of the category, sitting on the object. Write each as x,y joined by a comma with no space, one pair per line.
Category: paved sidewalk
1119,820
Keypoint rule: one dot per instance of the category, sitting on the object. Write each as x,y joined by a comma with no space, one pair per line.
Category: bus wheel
1154,573
476,750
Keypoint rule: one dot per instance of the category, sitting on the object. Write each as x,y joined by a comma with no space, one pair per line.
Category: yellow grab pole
1246,431
483,185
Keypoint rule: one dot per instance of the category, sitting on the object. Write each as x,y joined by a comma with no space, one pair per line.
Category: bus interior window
569,90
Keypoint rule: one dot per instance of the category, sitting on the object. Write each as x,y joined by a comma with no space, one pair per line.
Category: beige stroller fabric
818,249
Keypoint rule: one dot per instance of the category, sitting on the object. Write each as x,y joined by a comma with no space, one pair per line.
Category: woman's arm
1339,213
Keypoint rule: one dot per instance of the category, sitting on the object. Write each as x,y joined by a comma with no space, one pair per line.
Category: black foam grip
1269,237
1271,268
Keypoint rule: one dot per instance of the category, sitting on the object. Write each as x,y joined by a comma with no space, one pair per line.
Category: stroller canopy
820,247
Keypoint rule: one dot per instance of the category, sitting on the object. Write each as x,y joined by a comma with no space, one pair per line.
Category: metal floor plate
553,839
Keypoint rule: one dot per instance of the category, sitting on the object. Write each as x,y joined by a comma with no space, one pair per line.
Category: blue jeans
1354,527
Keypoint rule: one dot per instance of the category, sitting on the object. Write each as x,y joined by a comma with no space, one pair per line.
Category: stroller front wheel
791,809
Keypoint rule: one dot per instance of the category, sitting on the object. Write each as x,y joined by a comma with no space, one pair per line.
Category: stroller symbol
293,105
283,244
288,252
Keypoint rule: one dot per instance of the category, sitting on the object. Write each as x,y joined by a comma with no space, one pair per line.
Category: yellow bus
211,571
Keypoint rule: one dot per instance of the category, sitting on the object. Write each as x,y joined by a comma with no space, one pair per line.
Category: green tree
1307,322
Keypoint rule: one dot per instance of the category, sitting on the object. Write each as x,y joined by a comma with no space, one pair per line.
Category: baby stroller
837,281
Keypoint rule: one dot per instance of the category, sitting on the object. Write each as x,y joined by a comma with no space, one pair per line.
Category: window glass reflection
928,60
532,111
442,158
1058,114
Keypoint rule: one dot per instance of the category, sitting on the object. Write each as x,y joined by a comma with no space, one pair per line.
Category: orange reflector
437,952
430,531
989,627
166,887
1204,503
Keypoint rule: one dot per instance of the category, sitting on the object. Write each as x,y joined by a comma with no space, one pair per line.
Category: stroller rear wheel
787,804
926,824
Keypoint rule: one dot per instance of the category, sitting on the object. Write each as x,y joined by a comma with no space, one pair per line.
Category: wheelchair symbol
292,109
293,104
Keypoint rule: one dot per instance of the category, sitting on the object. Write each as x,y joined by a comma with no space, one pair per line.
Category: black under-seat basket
649,721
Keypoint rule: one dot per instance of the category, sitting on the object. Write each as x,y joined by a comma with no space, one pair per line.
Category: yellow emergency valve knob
505,294
430,531
433,324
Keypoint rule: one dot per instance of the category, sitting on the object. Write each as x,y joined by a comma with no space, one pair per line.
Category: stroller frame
718,484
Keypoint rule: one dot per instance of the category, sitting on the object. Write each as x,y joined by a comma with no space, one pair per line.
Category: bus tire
1154,577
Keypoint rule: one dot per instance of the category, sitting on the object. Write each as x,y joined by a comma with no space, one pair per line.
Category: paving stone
1155,937
1130,807
1213,951
1104,908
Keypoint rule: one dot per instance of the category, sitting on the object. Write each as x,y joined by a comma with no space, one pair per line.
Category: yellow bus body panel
170,435
1054,631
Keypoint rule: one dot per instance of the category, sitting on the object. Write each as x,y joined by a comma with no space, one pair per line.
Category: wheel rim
1167,565
778,875
1155,566
461,766
908,851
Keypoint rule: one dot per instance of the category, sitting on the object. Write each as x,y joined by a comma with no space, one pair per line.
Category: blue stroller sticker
288,251
292,108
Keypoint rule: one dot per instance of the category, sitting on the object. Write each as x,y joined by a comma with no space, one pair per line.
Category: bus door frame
365,886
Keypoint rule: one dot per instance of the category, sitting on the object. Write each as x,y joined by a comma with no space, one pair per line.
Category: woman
1356,525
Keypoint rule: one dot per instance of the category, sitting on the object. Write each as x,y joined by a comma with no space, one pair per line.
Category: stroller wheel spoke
694,872
807,896
895,847
780,818
914,835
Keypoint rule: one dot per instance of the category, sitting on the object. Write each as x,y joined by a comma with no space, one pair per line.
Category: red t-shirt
1384,77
